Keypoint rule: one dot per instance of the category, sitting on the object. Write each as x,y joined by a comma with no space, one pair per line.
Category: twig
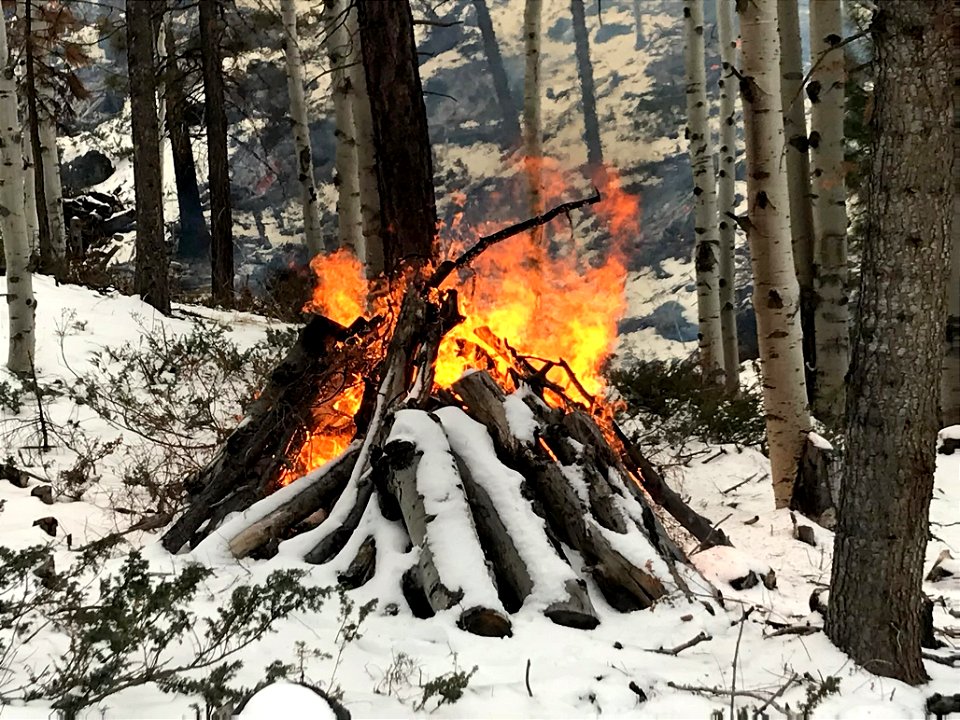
713,457
437,23
736,655
485,242
753,694
783,688
526,679
702,637
795,630
739,484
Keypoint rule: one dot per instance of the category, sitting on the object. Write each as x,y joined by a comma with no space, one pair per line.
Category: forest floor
544,670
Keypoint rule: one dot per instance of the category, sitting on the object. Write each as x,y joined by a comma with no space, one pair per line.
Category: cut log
252,457
817,488
424,479
363,566
515,538
624,584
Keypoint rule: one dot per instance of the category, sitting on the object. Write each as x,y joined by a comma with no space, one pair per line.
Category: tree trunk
45,249
798,176
347,180
638,23
705,197
194,240
21,305
29,186
301,130
726,194
371,249
532,130
875,607
950,396
404,164
151,280
50,166
830,214
775,289
221,218
509,119
591,126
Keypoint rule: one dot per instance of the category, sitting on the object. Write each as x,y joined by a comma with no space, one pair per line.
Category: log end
485,622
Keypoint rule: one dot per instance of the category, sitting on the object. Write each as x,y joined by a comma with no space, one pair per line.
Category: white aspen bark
726,194
21,305
161,53
706,228
776,294
346,161
49,159
301,130
29,189
370,249
532,129
831,313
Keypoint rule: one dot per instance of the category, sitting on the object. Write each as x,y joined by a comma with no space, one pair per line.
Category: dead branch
702,637
795,630
732,694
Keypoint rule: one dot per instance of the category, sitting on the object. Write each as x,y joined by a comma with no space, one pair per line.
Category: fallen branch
795,630
702,637
739,484
948,660
732,694
448,266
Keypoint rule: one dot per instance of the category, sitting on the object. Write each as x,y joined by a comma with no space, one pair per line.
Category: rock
44,492
48,525
746,582
86,170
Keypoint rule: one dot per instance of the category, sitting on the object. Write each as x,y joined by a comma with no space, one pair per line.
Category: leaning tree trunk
346,162
218,176
21,305
532,123
194,240
726,194
798,176
775,289
313,238
509,119
830,214
591,126
950,395
48,261
704,197
370,251
876,600
404,164
151,279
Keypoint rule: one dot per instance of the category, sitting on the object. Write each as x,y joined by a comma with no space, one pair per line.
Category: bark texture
194,237
876,599
21,304
371,250
346,160
301,129
776,294
706,227
950,394
588,94
221,217
45,250
151,278
404,164
532,124
798,175
509,118
726,193
830,213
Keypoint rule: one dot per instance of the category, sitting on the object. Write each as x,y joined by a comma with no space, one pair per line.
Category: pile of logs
506,501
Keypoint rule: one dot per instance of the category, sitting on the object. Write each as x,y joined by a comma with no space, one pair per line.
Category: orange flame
564,307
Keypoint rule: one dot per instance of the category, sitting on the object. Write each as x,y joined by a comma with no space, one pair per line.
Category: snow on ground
572,673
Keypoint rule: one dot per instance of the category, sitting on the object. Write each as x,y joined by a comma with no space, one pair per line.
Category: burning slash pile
470,413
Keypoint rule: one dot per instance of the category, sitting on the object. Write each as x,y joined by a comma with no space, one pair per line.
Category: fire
549,307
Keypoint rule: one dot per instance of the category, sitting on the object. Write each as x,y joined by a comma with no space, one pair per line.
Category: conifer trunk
706,227
21,305
591,125
776,293
44,247
726,194
194,240
218,176
509,119
950,395
876,598
371,249
638,25
48,157
151,272
301,130
401,138
346,162
798,176
532,124
830,214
